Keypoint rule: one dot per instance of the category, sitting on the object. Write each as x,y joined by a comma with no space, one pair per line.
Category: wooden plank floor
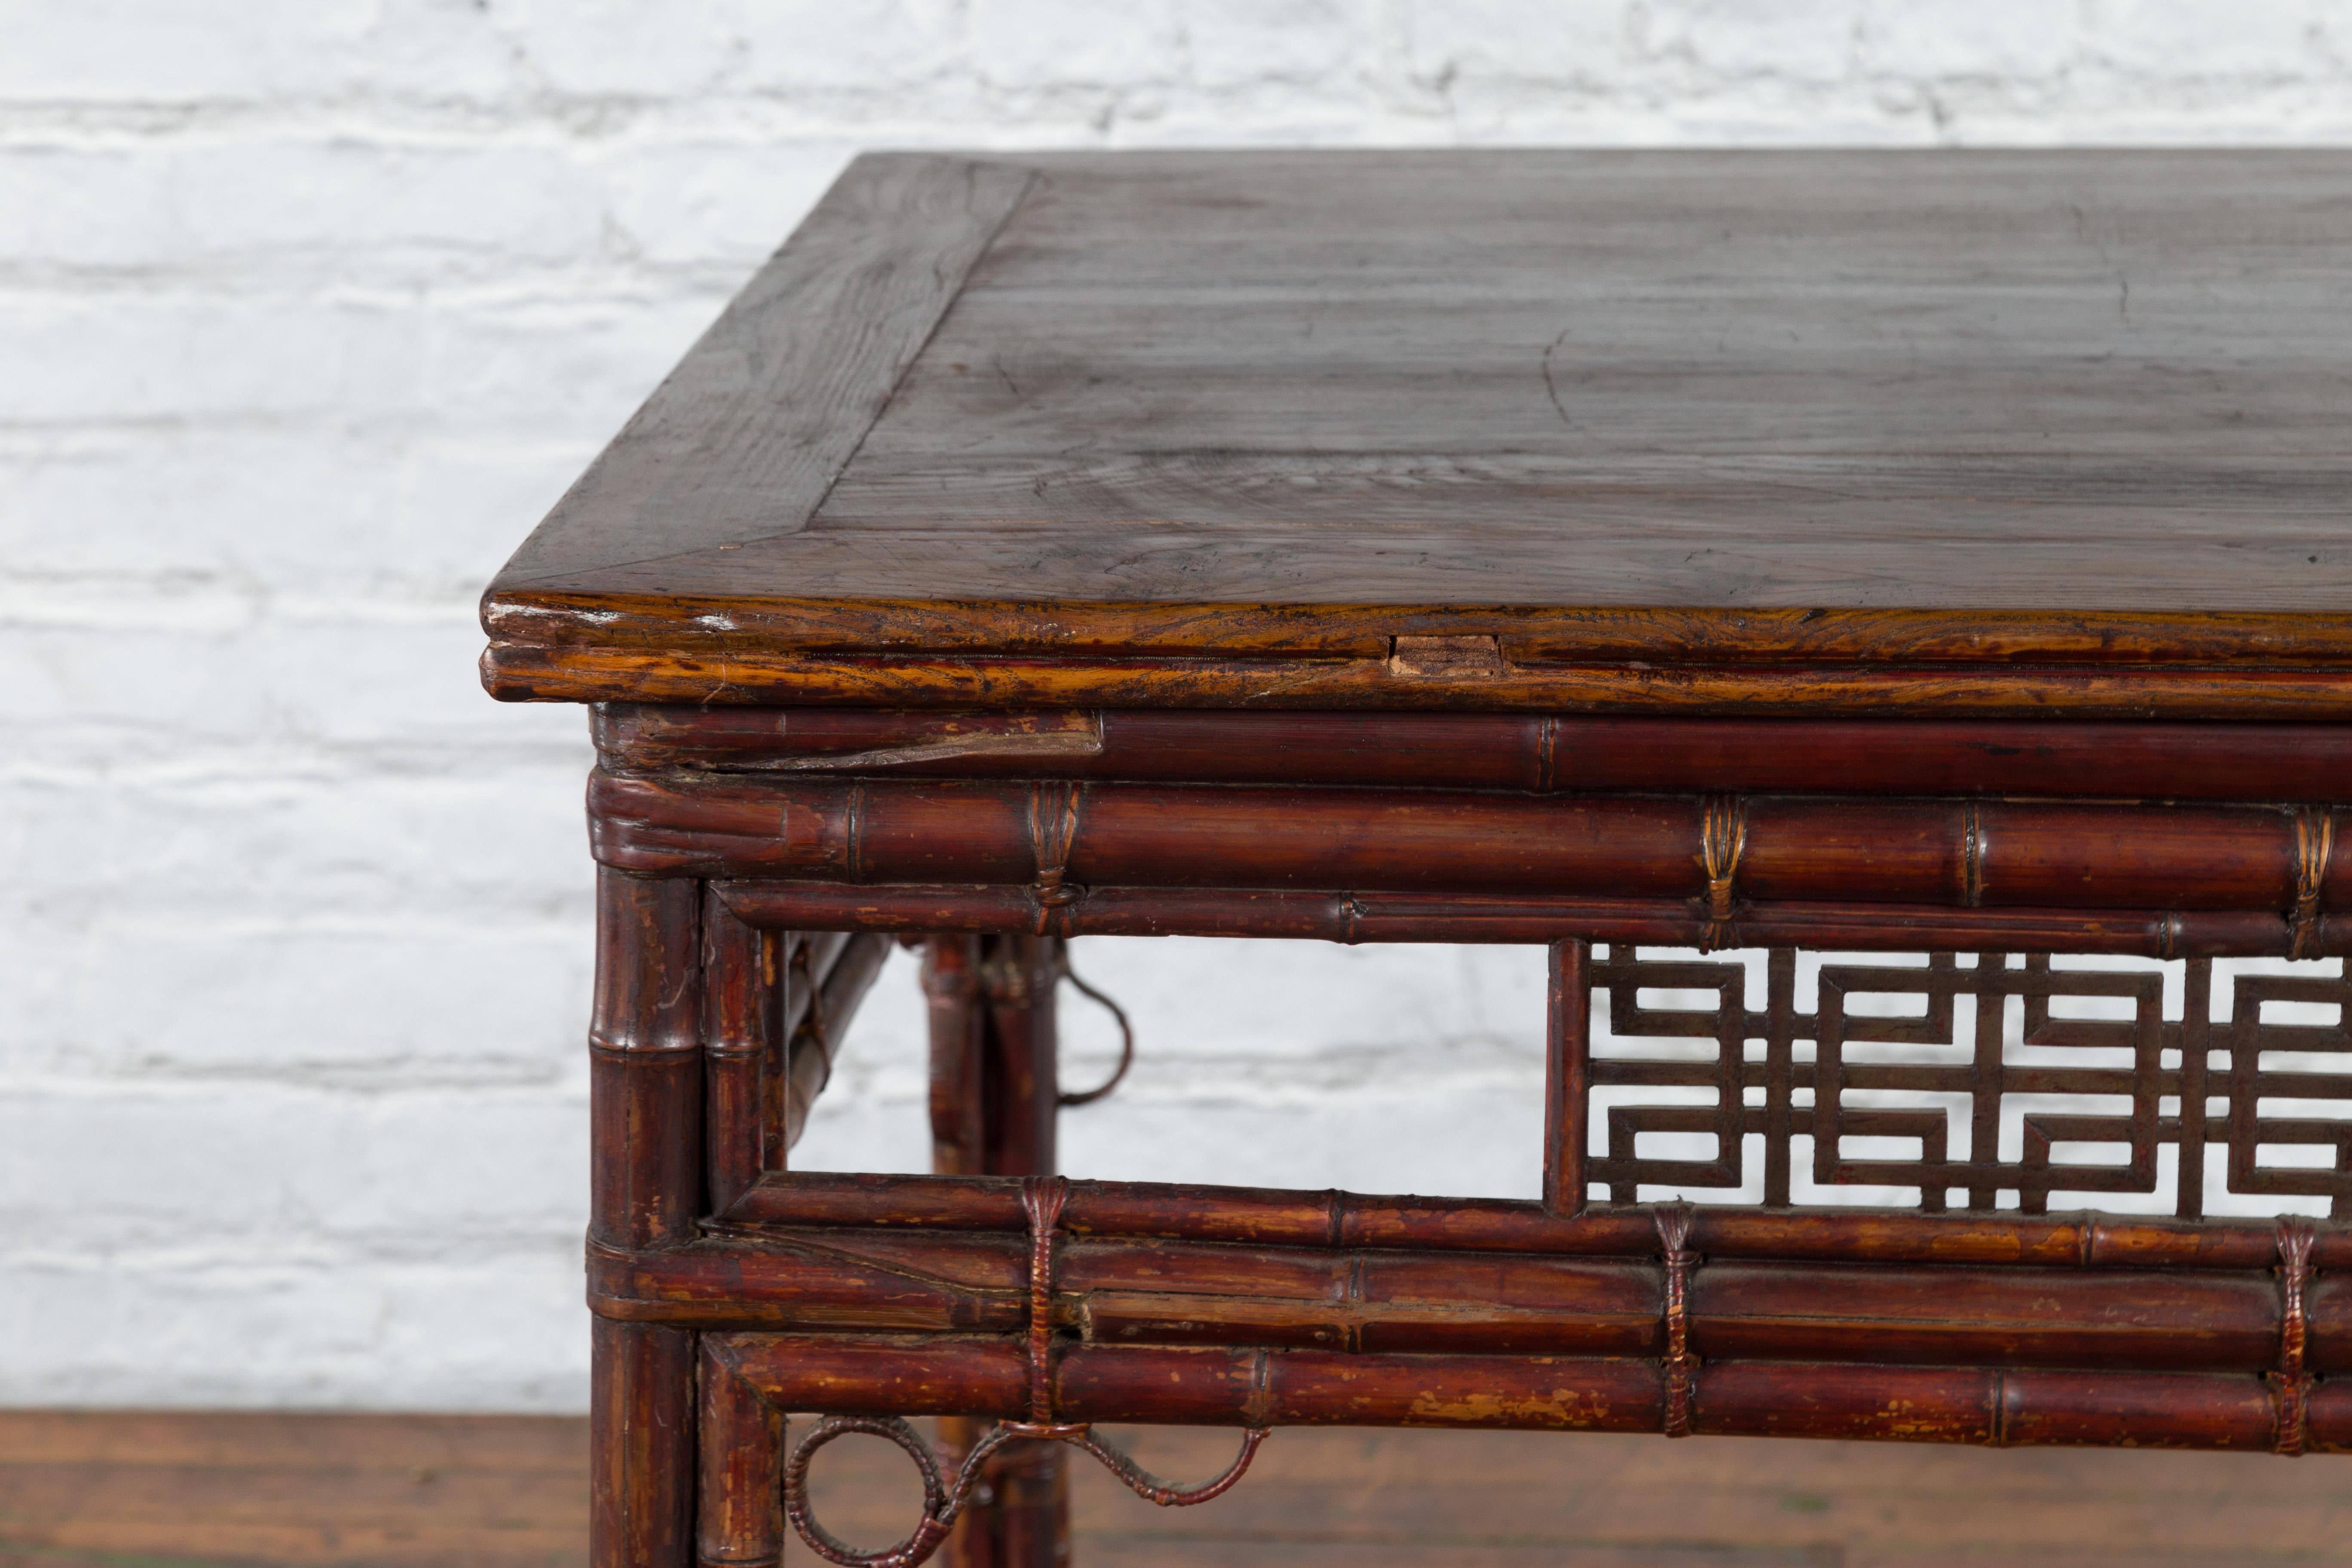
117,1490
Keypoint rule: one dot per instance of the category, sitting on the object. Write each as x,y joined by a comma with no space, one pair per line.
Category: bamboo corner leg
646,1116
994,1090
641,1419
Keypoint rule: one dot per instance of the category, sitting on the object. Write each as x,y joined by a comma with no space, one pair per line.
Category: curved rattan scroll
943,1501
939,1505
1126,1037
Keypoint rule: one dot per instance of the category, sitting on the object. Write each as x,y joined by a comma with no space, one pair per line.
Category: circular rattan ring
823,1541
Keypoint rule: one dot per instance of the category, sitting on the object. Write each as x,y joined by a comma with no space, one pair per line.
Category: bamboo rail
1358,918
1370,1301
1991,1406
788,856
1541,753
1058,839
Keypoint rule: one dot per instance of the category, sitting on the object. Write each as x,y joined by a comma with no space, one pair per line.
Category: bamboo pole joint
1678,1367
1041,1199
2290,1384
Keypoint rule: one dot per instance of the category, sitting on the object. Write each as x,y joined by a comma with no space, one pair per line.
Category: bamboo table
1761,554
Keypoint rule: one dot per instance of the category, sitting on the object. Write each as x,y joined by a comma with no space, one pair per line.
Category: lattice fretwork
2005,1080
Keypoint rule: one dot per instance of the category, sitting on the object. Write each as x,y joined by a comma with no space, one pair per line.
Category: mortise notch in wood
1081,739
1452,657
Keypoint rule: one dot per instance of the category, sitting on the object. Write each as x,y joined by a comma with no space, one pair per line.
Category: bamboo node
2290,1384
1723,833
948,983
1054,807
1677,1366
1042,1198
2314,838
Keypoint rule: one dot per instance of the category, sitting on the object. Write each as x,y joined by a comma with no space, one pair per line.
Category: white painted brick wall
309,308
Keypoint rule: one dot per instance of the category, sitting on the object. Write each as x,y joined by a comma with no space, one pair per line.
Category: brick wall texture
310,307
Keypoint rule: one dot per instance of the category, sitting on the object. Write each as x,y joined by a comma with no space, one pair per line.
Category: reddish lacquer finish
1262,1309
1392,548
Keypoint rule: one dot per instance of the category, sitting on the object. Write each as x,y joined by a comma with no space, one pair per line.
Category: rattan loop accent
2290,1384
1126,1036
1677,1365
939,1508
1042,1198
1723,833
2315,839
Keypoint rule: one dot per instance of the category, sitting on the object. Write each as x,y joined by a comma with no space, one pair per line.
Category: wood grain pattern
1581,401
1855,690
1665,634
1527,452
745,438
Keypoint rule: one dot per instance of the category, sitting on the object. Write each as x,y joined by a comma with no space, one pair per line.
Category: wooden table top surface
1949,408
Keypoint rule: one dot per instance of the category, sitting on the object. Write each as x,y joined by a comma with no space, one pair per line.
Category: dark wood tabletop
924,598
1951,432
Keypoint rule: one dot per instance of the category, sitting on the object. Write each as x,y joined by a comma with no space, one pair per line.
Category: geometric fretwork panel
1970,1081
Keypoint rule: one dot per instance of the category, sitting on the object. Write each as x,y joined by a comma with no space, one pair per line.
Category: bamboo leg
960,1039
1022,1089
959,1022
1568,1078
761,989
822,997
994,1095
739,975
641,1446
646,1115
743,1515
